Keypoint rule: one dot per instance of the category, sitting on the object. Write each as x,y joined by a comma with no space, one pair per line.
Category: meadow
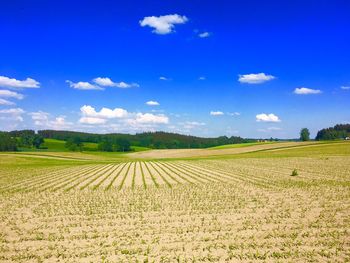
214,205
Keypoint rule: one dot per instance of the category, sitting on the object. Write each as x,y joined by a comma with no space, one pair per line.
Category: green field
243,206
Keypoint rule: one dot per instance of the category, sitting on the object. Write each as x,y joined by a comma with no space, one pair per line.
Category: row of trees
7,143
157,140
11,141
339,131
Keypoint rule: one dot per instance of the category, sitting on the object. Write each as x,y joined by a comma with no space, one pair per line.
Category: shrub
294,173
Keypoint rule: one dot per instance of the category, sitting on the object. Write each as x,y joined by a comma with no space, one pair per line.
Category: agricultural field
246,206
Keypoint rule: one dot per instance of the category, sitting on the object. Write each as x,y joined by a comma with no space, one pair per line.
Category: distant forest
339,131
11,141
156,140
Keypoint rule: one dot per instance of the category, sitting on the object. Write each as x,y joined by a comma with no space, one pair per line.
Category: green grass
239,145
321,149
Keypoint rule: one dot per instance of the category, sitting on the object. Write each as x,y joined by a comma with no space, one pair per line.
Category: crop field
246,209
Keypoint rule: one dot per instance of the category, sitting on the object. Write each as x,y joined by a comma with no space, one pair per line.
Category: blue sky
247,68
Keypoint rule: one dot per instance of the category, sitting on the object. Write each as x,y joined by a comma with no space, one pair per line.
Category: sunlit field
246,207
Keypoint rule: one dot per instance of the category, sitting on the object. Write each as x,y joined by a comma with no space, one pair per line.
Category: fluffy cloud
6,102
83,85
306,91
255,78
119,120
163,24
10,94
216,113
18,84
44,120
345,87
152,103
104,113
204,34
150,118
106,82
267,117
13,114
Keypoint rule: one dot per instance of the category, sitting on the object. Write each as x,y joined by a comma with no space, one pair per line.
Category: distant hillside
156,140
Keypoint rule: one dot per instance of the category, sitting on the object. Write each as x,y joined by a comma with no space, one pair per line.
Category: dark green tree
123,145
7,143
74,144
105,146
38,140
304,134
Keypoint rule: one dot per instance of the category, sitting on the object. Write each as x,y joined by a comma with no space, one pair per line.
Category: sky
256,69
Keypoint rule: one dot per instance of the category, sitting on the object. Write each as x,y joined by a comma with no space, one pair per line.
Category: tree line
11,141
339,131
155,140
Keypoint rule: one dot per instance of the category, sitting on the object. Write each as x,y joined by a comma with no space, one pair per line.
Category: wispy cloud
81,85
14,114
255,78
233,113
345,87
216,113
204,34
152,103
6,102
12,83
11,94
306,91
44,120
163,24
151,118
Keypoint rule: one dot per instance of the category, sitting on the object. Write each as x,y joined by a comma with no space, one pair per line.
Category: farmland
238,204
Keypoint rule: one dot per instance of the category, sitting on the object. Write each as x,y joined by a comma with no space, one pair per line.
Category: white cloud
216,113
104,113
306,91
163,78
274,128
10,94
345,87
192,124
18,84
152,103
125,85
151,118
83,85
92,120
40,118
255,78
106,82
202,78
6,102
14,114
204,34
234,113
163,24
267,117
